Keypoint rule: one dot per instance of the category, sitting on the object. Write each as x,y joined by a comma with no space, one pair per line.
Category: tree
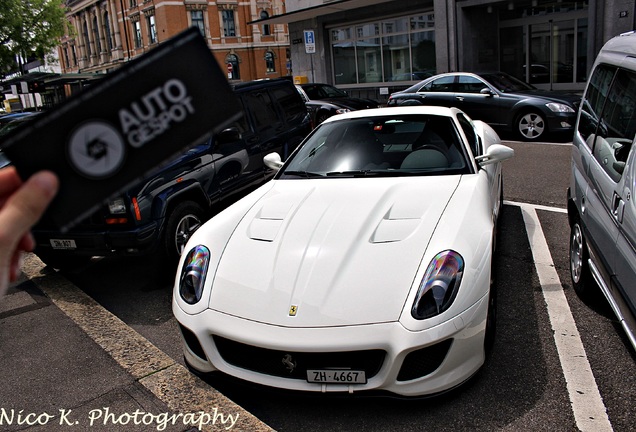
29,29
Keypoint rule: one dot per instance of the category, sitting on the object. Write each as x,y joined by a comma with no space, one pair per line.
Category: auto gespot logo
97,149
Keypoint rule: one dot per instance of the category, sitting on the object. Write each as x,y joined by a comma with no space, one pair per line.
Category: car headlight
192,278
439,285
117,206
559,107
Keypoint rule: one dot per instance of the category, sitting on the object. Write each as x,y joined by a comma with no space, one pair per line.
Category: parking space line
170,382
589,410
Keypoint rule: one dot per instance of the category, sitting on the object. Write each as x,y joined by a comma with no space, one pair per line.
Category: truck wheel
183,221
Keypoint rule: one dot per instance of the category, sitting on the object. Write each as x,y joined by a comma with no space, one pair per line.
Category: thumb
25,207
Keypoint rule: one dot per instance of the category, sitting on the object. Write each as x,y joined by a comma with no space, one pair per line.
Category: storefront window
548,47
399,49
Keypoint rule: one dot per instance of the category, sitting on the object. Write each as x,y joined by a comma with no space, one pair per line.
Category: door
479,106
440,92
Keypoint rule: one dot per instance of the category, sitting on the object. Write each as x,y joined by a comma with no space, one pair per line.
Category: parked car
364,265
6,118
161,214
414,76
502,101
324,100
601,207
10,121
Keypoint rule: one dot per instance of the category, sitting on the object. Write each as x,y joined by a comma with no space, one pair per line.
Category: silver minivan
601,207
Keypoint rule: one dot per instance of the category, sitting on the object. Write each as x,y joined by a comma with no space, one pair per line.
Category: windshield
400,145
506,83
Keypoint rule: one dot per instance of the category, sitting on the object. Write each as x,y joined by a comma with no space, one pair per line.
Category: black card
116,132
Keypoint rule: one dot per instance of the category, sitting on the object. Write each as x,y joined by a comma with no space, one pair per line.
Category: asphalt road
526,384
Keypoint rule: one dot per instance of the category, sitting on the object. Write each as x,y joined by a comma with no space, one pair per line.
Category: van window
609,112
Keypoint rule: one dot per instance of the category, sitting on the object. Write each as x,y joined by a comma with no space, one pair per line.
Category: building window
133,3
98,45
229,27
196,18
395,49
109,36
232,60
152,29
87,43
266,28
270,65
137,34
74,53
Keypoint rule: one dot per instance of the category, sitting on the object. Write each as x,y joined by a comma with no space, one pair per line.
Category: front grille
276,363
424,361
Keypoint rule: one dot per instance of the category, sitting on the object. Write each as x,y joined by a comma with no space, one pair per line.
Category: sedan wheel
531,126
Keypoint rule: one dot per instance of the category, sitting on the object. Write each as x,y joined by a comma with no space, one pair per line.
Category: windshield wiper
353,173
306,174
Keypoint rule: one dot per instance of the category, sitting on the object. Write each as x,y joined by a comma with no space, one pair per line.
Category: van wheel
531,126
183,221
582,280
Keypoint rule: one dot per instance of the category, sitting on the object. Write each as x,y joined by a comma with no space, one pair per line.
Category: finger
9,182
25,207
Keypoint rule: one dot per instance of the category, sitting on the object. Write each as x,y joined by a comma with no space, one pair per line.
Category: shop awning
315,11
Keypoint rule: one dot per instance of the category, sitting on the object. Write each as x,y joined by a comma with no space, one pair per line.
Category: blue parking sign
310,42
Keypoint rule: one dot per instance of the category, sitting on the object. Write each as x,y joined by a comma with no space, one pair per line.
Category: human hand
21,206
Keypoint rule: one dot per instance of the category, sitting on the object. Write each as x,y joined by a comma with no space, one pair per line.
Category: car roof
617,48
393,111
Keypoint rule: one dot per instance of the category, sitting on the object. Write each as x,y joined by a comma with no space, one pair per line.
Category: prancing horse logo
292,310
289,363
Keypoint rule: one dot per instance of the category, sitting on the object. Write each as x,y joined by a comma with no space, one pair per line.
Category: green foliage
29,28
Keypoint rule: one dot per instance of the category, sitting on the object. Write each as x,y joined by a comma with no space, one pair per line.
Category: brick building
107,33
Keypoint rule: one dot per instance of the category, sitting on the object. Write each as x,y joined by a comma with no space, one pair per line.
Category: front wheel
183,221
531,126
582,280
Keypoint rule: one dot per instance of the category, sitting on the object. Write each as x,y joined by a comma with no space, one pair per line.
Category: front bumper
461,339
561,122
135,241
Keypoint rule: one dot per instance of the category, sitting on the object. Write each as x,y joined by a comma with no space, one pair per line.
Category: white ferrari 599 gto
365,264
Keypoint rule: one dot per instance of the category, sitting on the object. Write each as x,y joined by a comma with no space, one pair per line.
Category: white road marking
537,206
589,410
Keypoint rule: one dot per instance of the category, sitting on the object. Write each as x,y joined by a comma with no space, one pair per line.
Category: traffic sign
310,41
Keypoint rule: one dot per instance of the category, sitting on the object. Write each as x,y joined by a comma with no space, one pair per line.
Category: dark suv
161,214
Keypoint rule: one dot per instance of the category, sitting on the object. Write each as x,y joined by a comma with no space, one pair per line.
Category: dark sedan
324,100
497,98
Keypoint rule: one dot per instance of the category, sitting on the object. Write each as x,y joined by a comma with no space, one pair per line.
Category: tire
183,221
530,126
491,317
582,279
321,118
491,322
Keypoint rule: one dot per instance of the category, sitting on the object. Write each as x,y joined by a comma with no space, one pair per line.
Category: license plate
336,376
63,244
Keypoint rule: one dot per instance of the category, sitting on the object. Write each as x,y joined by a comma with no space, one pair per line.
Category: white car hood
330,252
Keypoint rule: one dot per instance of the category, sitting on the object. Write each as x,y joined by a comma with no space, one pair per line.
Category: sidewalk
68,364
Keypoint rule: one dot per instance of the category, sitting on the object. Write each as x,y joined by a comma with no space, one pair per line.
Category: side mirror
228,135
486,91
495,153
273,161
